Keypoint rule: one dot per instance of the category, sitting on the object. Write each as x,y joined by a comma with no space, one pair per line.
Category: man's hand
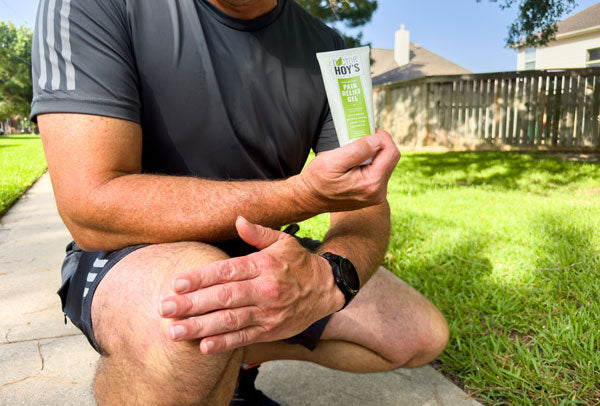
335,181
266,296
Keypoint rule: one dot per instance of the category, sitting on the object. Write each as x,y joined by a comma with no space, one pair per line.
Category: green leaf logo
339,62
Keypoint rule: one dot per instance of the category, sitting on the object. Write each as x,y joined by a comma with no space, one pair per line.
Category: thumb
257,235
353,154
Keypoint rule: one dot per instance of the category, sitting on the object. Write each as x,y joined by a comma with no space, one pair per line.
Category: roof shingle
590,17
422,63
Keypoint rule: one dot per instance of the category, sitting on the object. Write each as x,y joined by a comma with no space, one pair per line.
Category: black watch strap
344,275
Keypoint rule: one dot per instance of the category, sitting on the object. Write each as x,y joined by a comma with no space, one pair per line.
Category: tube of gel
347,77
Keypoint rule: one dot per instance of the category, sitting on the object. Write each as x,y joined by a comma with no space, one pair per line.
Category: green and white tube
347,77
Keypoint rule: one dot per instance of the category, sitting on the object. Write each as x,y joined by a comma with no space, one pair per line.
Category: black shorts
82,272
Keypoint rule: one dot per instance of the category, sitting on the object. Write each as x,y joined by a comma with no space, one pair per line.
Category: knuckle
229,320
225,273
243,337
224,296
270,265
196,327
269,327
373,189
271,290
187,303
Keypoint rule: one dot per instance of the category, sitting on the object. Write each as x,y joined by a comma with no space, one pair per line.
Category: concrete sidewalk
45,362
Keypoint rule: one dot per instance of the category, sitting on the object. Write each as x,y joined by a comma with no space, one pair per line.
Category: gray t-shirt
216,97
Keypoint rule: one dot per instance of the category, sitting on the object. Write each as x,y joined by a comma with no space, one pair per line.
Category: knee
125,306
432,341
129,329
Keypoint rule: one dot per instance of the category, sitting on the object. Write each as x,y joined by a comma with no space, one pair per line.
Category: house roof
590,17
422,63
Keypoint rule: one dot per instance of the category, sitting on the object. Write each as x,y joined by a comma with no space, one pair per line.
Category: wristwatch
344,274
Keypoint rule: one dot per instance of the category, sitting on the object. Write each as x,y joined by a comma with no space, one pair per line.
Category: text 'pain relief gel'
347,77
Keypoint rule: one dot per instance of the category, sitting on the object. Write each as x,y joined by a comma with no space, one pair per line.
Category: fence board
573,96
520,104
564,107
595,108
478,87
532,111
587,113
510,127
549,116
501,113
579,111
541,107
462,114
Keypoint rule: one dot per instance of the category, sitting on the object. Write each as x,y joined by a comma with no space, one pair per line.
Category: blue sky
468,33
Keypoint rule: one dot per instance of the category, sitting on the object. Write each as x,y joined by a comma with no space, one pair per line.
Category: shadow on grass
497,170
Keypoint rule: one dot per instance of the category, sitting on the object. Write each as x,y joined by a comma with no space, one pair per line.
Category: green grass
22,162
507,245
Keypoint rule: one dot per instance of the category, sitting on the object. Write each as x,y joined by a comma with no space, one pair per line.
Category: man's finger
217,297
227,270
231,341
257,235
352,155
212,324
387,158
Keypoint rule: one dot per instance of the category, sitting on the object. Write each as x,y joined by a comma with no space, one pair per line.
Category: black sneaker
246,393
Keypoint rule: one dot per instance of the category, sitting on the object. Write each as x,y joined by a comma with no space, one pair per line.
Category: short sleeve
327,138
82,60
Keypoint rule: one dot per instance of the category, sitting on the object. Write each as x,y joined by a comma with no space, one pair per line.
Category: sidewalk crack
39,347
25,340
15,381
436,395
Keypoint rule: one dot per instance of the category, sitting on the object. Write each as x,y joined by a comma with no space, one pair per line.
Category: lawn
507,245
21,163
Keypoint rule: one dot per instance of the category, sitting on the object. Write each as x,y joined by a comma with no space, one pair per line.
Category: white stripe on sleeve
51,50
43,78
65,33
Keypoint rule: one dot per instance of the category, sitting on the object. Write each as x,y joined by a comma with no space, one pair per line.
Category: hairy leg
139,364
388,325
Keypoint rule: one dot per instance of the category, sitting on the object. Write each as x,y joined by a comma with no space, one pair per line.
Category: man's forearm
361,236
137,208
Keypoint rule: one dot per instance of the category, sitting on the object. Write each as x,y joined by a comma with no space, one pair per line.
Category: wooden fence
534,109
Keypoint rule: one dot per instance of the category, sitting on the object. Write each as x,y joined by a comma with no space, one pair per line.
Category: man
175,132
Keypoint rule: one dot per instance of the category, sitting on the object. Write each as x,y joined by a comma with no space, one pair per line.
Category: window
530,58
593,57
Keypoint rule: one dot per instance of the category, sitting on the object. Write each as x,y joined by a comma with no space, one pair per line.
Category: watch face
349,274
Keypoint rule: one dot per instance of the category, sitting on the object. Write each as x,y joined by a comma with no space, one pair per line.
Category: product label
347,71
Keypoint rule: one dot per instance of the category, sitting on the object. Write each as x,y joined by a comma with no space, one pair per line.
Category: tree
536,23
351,13
15,71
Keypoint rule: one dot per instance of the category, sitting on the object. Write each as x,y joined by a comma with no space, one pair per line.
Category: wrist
304,195
344,274
334,297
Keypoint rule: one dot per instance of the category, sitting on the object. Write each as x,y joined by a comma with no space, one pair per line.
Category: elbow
83,229
87,240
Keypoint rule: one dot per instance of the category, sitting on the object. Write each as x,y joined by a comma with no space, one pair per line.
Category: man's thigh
134,339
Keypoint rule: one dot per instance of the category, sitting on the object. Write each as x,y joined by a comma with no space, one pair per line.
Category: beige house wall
563,53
